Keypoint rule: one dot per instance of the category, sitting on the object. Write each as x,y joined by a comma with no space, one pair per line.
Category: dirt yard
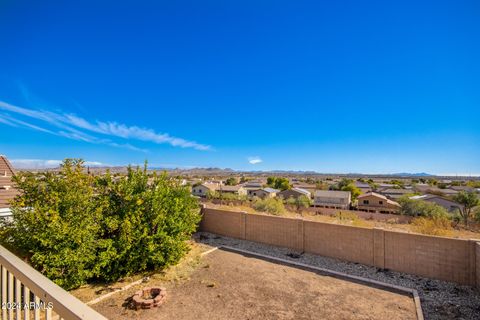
227,285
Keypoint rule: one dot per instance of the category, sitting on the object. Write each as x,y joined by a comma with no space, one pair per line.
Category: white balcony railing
27,294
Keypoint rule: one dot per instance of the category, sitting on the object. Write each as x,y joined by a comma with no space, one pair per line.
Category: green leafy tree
74,227
148,222
279,183
56,224
468,200
232,181
348,185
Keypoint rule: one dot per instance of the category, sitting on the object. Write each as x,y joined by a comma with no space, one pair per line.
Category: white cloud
43,164
255,160
71,126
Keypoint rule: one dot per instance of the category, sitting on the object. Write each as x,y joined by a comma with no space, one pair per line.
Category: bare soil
227,285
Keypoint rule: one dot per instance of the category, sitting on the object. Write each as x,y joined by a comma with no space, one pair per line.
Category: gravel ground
440,299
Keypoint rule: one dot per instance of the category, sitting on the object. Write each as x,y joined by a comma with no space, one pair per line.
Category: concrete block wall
222,222
337,241
283,232
428,256
477,263
455,260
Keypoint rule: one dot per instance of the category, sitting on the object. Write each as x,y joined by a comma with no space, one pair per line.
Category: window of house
254,193
365,201
200,190
380,202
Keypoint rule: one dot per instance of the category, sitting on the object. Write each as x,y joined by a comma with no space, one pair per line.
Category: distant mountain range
228,171
406,174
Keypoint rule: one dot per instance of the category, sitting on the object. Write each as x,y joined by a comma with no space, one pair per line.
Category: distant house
363,186
238,190
394,193
7,189
203,189
332,199
425,188
294,193
263,193
310,187
253,185
464,188
375,202
449,205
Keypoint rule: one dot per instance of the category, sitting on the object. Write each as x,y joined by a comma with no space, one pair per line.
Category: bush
301,202
438,226
270,205
419,208
74,227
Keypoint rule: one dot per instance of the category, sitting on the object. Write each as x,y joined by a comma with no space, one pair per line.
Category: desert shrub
270,205
345,215
299,203
419,208
476,214
437,226
74,227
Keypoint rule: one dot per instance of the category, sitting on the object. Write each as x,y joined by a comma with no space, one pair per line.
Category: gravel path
440,299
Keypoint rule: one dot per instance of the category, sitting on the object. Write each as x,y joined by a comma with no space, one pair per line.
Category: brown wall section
283,232
222,222
447,259
477,263
434,257
337,241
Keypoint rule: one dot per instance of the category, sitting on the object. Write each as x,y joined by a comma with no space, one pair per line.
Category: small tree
270,205
56,224
279,183
468,200
419,208
232,181
348,185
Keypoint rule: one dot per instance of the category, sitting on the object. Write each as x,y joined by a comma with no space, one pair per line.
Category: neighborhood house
263,193
294,193
237,190
375,202
332,199
7,190
202,190
449,205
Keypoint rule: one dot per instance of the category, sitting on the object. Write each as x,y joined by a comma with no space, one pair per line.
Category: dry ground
227,285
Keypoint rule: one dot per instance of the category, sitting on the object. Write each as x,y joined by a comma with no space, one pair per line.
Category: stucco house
238,190
375,202
294,193
363,186
203,189
263,193
449,205
332,199
395,193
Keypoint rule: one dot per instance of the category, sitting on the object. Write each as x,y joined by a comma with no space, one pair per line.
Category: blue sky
332,86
